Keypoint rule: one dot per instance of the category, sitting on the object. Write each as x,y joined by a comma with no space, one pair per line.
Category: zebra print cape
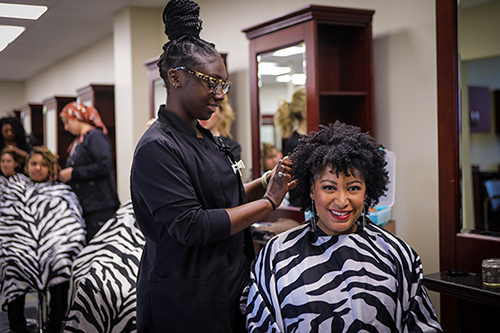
368,281
41,231
104,277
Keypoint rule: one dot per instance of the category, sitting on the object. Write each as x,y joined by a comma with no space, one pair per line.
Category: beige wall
135,40
11,96
91,65
405,96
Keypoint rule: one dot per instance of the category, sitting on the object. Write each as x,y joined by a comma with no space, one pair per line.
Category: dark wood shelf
33,114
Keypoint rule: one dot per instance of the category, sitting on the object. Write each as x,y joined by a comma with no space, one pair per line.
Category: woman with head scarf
89,167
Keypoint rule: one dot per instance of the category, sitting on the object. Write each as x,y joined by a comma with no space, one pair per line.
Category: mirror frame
264,43
457,249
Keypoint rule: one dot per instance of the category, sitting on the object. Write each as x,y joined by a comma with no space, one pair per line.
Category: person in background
339,272
41,232
220,125
8,163
89,167
188,197
270,156
14,138
291,117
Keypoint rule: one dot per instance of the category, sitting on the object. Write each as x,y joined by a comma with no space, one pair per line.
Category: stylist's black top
192,271
93,177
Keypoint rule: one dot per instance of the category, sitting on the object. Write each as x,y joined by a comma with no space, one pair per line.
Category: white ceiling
67,27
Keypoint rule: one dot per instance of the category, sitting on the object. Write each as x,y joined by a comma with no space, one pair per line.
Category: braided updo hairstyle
344,148
185,48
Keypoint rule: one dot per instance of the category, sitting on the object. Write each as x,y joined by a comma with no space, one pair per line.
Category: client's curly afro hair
344,148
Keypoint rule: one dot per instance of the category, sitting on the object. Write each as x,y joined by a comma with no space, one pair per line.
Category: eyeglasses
215,84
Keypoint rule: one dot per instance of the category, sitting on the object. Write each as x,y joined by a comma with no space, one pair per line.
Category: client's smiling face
339,200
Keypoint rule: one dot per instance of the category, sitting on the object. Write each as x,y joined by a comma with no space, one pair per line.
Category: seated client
338,271
41,231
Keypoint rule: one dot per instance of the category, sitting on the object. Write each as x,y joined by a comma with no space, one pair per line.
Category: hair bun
181,18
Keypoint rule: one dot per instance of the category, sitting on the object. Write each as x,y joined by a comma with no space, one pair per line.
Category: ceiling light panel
8,33
27,12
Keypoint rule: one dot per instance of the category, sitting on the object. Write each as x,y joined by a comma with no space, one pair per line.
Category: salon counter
469,287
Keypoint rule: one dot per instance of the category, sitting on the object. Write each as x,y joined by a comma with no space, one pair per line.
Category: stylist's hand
18,152
65,174
281,181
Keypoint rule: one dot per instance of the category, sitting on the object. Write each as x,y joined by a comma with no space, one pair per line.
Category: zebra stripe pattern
104,277
41,231
368,281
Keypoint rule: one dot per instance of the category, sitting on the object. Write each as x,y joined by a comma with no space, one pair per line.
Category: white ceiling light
28,12
8,33
284,78
296,79
272,68
289,51
299,79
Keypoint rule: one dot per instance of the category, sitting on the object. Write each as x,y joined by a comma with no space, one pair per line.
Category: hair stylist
188,198
89,167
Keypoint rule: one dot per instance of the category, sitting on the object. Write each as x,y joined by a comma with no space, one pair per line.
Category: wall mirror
280,74
462,242
479,114
460,246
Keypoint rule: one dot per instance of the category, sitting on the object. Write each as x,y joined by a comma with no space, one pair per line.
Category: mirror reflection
480,115
282,106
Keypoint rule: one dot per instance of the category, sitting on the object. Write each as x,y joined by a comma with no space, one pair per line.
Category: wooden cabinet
102,97
33,122
338,65
55,137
